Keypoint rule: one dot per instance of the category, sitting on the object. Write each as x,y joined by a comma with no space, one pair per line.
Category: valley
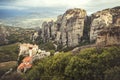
75,46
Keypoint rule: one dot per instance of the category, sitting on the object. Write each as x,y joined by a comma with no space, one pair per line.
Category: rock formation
74,26
3,35
103,19
68,28
109,36
35,36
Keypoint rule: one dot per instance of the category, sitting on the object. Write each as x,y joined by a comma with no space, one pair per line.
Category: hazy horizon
23,12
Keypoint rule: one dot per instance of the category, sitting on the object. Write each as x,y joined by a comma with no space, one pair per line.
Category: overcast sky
32,9
89,5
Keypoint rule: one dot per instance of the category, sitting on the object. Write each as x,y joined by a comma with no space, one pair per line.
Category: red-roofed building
26,64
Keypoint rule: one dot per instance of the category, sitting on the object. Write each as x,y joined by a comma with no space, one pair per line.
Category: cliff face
70,29
103,19
109,36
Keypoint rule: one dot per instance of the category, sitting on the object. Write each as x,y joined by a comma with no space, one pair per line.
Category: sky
55,6
49,8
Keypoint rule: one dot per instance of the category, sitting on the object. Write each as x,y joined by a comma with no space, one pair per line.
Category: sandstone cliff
109,36
68,28
103,19
74,27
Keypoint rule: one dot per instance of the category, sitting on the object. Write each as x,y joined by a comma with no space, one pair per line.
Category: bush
52,52
113,73
47,46
89,64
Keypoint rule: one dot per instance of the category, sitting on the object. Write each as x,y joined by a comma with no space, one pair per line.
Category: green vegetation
20,36
88,64
13,38
9,52
11,35
8,57
48,46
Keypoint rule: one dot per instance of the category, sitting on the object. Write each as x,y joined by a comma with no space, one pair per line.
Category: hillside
9,52
87,47
9,34
87,64
10,37
8,57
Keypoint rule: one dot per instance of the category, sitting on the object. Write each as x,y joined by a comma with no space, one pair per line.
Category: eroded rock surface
68,28
74,27
104,19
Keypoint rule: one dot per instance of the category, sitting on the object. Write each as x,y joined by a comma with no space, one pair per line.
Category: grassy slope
8,57
5,66
9,52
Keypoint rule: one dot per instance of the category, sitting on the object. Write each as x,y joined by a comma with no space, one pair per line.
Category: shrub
89,64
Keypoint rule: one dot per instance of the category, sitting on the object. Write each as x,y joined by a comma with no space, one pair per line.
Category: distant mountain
28,18
25,22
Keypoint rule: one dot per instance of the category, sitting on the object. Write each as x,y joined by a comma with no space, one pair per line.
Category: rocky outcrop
68,28
34,36
51,30
47,33
109,36
3,35
74,27
103,19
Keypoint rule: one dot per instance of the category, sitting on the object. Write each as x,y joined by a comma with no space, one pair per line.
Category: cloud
15,11
12,7
52,3
89,5
94,6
